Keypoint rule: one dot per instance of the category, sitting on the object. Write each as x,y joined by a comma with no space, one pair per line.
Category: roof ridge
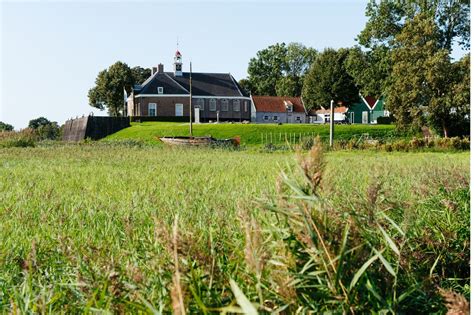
147,81
176,82
236,85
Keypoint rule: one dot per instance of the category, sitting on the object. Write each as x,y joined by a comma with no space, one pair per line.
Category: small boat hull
199,141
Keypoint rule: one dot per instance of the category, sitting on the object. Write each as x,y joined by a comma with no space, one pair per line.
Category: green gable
361,113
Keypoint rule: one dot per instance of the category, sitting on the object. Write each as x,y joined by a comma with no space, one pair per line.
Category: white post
331,125
217,116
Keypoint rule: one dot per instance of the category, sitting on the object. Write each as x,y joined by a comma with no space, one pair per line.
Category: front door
365,117
178,109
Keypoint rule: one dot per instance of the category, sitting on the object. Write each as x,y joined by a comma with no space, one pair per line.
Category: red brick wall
165,107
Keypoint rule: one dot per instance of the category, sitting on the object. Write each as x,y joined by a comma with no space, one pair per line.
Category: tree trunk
445,130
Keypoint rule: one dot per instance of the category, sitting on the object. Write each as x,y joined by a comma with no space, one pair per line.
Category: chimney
153,70
160,68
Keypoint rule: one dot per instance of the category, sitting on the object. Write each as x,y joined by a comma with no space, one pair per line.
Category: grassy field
251,134
88,228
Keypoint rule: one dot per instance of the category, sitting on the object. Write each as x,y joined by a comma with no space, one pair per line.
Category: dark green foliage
431,90
279,69
369,69
45,129
5,126
140,74
110,83
38,122
329,80
266,69
408,44
382,120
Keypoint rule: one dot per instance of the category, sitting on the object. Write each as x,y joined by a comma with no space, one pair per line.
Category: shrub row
415,144
24,138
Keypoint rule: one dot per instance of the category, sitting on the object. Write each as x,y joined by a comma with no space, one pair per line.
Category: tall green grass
88,228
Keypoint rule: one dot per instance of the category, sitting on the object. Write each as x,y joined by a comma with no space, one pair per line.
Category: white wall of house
285,118
324,118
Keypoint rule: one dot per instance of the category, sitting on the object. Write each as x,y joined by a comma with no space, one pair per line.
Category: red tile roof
371,101
340,109
276,104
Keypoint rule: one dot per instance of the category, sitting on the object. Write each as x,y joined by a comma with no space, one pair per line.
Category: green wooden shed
366,110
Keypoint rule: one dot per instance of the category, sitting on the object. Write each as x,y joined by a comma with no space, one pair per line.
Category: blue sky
52,51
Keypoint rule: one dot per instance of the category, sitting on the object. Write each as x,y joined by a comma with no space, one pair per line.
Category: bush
400,145
384,120
21,139
417,143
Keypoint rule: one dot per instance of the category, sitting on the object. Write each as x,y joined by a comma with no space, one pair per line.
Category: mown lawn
251,134
88,228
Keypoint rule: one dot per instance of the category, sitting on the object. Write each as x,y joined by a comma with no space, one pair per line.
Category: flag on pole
125,97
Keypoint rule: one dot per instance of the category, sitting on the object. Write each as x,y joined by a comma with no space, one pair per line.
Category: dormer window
289,106
160,90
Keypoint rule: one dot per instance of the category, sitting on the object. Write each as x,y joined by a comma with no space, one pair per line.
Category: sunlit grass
88,227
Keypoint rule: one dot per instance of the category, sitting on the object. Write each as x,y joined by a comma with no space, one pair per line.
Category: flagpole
190,100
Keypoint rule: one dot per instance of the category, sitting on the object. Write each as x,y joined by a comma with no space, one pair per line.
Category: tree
426,87
278,65
38,122
267,68
44,128
5,126
372,68
245,85
140,74
289,86
109,86
369,69
450,106
328,80
386,19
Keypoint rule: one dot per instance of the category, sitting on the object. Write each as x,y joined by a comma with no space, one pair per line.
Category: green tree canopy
369,69
280,69
426,87
372,67
45,128
328,80
140,74
267,68
5,126
38,122
386,19
109,85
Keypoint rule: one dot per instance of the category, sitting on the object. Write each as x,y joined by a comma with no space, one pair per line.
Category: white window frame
212,105
160,90
225,105
200,103
152,106
236,105
266,118
298,118
182,109
276,118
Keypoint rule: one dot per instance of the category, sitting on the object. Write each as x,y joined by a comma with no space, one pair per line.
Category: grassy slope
89,226
250,134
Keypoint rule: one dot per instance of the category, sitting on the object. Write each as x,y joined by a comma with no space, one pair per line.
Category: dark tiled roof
276,104
210,84
205,84
150,86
